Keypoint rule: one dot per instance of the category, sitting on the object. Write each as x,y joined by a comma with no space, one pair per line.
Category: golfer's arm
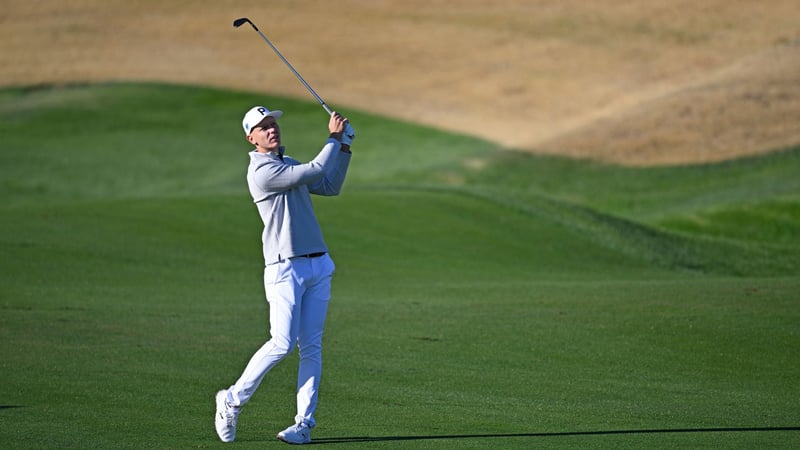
331,183
281,177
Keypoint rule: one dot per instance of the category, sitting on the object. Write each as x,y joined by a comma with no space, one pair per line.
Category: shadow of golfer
342,440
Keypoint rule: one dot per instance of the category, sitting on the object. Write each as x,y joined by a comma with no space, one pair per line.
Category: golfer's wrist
337,136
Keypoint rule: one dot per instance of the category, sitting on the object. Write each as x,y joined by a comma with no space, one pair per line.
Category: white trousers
298,291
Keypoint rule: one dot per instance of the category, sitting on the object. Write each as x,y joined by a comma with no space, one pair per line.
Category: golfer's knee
282,346
312,350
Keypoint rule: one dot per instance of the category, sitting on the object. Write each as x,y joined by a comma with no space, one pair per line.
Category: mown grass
483,298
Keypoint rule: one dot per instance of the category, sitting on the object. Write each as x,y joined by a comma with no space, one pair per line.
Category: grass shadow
344,440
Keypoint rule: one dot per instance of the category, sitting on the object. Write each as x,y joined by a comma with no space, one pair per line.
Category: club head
239,22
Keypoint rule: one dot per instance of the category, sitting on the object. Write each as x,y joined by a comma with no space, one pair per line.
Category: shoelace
230,414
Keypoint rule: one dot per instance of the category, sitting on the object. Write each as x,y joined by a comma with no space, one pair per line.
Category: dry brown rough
634,82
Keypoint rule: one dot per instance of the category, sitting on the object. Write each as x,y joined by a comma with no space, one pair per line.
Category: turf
483,298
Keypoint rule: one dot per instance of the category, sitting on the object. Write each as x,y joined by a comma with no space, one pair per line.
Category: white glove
348,135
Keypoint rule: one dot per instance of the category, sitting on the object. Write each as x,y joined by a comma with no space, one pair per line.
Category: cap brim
273,114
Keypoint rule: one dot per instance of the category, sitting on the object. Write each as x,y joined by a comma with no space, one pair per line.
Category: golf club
239,22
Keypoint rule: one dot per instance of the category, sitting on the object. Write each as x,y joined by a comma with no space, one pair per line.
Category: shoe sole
283,439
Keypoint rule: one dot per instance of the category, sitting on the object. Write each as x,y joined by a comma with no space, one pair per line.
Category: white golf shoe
296,434
225,418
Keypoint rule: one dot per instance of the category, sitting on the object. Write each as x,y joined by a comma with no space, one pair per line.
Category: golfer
298,269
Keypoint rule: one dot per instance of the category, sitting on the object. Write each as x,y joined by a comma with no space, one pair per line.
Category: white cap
255,116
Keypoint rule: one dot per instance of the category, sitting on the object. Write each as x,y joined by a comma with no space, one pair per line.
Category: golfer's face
267,134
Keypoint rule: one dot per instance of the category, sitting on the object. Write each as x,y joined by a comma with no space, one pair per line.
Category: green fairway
484,298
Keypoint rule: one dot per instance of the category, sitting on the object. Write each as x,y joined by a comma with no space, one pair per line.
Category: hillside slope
466,203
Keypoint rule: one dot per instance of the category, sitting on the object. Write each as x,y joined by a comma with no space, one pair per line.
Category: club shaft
296,74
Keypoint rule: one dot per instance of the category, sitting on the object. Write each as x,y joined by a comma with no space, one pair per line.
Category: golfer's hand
336,125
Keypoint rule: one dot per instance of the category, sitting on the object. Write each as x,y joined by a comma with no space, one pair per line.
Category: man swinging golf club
298,269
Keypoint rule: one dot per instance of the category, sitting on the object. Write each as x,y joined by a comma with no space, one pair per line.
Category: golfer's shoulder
259,160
